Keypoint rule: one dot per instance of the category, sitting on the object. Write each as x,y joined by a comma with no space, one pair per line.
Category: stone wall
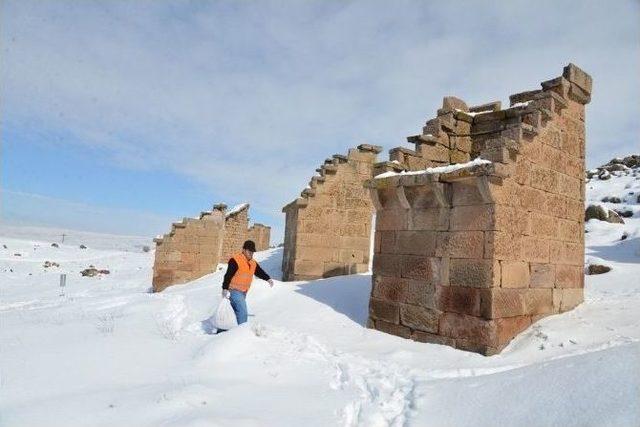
261,235
191,250
236,231
327,229
469,257
195,246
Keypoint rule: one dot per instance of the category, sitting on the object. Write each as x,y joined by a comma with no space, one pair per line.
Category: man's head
248,248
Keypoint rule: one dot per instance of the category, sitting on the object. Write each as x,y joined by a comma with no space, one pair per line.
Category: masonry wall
195,246
236,232
261,235
191,250
469,258
327,229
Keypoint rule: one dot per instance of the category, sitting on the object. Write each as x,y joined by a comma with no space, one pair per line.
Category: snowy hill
108,352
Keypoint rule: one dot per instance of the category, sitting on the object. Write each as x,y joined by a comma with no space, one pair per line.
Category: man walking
237,280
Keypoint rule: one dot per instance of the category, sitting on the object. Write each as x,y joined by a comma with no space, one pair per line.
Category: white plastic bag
225,317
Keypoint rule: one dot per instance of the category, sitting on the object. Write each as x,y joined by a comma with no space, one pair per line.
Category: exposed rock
624,236
604,175
92,271
48,264
5,246
146,248
602,214
83,247
627,213
616,167
612,199
598,269
54,245
89,272
17,254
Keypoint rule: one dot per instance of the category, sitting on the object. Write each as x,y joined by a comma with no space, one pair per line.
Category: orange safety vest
243,277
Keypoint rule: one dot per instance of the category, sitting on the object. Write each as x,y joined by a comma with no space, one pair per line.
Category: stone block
458,299
390,288
420,292
532,199
569,186
503,246
416,242
543,225
514,274
569,231
332,269
556,206
535,249
462,326
451,103
544,179
393,329
457,156
387,264
419,318
465,194
315,253
567,299
472,217
384,310
460,244
309,268
437,152
539,301
569,276
429,219
350,256
477,273
507,328
421,268
577,76
500,302
542,275
566,253
430,338
392,219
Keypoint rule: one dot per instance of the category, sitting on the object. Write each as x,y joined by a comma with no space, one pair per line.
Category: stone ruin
471,255
328,228
194,247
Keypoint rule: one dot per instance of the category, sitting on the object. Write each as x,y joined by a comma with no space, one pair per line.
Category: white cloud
249,97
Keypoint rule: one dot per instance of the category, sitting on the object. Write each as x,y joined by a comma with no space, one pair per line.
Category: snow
440,169
234,210
107,352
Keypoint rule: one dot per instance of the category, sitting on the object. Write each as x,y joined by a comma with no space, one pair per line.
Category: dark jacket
233,267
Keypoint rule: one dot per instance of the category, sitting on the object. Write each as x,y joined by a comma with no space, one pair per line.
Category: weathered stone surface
393,329
419,318
542,275
460,244
497,302
384,310
514,274
195,246
475,273
598,269
488,249
338,213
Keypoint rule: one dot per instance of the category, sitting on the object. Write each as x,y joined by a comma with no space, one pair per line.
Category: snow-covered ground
108,352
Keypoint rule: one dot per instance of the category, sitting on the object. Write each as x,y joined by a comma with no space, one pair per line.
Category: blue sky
123,116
